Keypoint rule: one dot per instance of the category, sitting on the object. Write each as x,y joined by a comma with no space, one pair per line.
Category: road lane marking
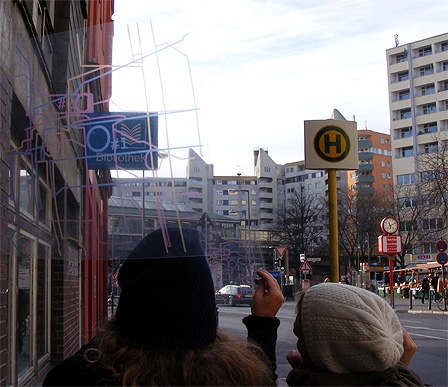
429,337
429,329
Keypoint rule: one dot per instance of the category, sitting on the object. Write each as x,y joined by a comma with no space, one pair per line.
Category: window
407,151
429,108
318,185
406,179
387,141
405,113
425,51
431,147
384,187
388,176
402,95
430,127
403,76
382,141
427,176
31,301
432,224
408,226
428,89
25,190
445,66
383,163
402,57
426,70
384,175
388,164
444,46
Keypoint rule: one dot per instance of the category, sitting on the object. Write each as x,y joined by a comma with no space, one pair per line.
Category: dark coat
398,376
77,371
425,284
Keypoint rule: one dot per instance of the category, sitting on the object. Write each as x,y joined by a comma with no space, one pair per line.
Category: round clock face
389,225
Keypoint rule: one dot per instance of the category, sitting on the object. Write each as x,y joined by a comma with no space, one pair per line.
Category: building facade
418,101
45,212
375,174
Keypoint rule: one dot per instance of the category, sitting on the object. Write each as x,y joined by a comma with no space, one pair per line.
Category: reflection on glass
42,205
26,190
23,304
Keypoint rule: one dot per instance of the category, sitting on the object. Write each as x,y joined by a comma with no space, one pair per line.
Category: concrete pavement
401,305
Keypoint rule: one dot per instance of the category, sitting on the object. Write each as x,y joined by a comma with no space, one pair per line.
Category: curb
427,312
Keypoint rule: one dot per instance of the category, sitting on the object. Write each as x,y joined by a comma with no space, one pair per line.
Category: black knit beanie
167,298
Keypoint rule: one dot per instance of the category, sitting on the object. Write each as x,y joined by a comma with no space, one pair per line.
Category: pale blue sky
260,68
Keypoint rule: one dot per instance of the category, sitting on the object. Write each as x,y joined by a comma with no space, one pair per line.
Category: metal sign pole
391,283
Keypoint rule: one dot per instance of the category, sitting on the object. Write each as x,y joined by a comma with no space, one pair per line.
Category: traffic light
276,262
280,264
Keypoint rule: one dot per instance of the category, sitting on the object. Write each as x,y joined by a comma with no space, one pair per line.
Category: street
429,332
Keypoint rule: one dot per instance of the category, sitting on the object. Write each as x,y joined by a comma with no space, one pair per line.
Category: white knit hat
348,329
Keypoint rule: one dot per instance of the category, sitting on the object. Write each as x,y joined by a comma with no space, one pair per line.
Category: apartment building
375,174
418,102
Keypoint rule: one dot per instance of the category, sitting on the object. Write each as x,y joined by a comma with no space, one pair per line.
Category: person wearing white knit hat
349,336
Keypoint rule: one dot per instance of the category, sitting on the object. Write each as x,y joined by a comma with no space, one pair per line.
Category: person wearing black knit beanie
165,331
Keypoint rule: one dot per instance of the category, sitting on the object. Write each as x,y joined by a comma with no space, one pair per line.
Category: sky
238,75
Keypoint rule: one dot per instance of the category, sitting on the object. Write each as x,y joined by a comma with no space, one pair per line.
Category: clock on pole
389,225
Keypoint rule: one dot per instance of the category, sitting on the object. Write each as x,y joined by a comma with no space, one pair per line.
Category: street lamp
247,231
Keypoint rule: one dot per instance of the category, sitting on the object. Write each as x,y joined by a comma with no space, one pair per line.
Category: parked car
234,295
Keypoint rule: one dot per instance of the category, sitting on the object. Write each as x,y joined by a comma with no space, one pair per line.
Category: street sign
314,259
280,251
389,244
275,274
442,258
331,144
441,246
305,266
302,257
423,258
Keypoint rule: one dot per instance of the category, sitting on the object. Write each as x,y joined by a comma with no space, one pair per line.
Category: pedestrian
165,331
435,285
348,336
425,288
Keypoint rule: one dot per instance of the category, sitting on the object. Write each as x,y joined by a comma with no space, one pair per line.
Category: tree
421,208
300,224
359,217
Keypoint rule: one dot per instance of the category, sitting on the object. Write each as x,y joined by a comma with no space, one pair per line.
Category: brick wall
65,304
5,123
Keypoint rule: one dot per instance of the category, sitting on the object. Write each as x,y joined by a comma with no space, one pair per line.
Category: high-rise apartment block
418,95
374,174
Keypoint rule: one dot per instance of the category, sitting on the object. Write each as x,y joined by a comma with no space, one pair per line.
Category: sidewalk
401,306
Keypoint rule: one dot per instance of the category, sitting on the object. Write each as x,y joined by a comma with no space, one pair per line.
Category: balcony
364,179
365,167
365,155
365,144
368,191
